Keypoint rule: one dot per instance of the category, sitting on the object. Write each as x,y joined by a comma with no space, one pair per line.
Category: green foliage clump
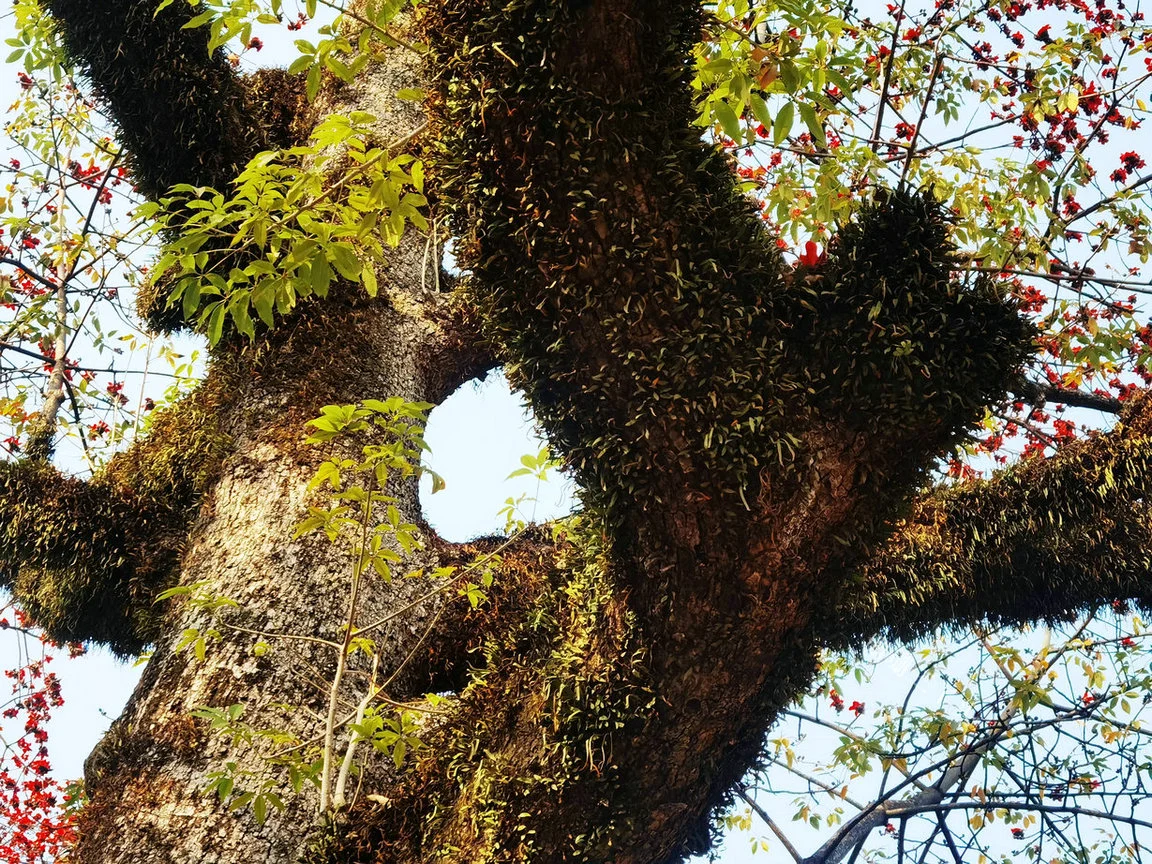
277,103
184,115
86,559
291,229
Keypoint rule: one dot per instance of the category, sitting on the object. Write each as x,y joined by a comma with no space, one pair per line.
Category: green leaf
328,472
199,20
790,75
215,322
729,122
760,110
312,84
242,317
368,277
304,61
782,126
347,263
263,300
320,276
808,113
191,298
339,69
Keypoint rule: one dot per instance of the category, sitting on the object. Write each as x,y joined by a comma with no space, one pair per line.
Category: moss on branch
1043,540
560,683
86,559
641,306
893,343
184,114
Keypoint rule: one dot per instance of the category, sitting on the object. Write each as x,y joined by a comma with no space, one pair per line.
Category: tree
751,439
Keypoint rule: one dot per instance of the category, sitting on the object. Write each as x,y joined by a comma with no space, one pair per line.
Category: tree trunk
147,779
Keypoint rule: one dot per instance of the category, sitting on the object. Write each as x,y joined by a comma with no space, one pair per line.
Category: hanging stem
327,799
338,799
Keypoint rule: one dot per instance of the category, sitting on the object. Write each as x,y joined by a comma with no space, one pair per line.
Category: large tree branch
70,553
86,559
184,115
1044,539
740,432
1038,393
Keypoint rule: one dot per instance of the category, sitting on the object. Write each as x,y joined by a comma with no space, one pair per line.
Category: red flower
1018,833
1131,160
810,258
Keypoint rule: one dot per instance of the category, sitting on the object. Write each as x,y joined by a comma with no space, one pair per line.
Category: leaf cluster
289,230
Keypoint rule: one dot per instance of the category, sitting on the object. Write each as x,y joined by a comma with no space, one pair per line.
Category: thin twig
759,811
